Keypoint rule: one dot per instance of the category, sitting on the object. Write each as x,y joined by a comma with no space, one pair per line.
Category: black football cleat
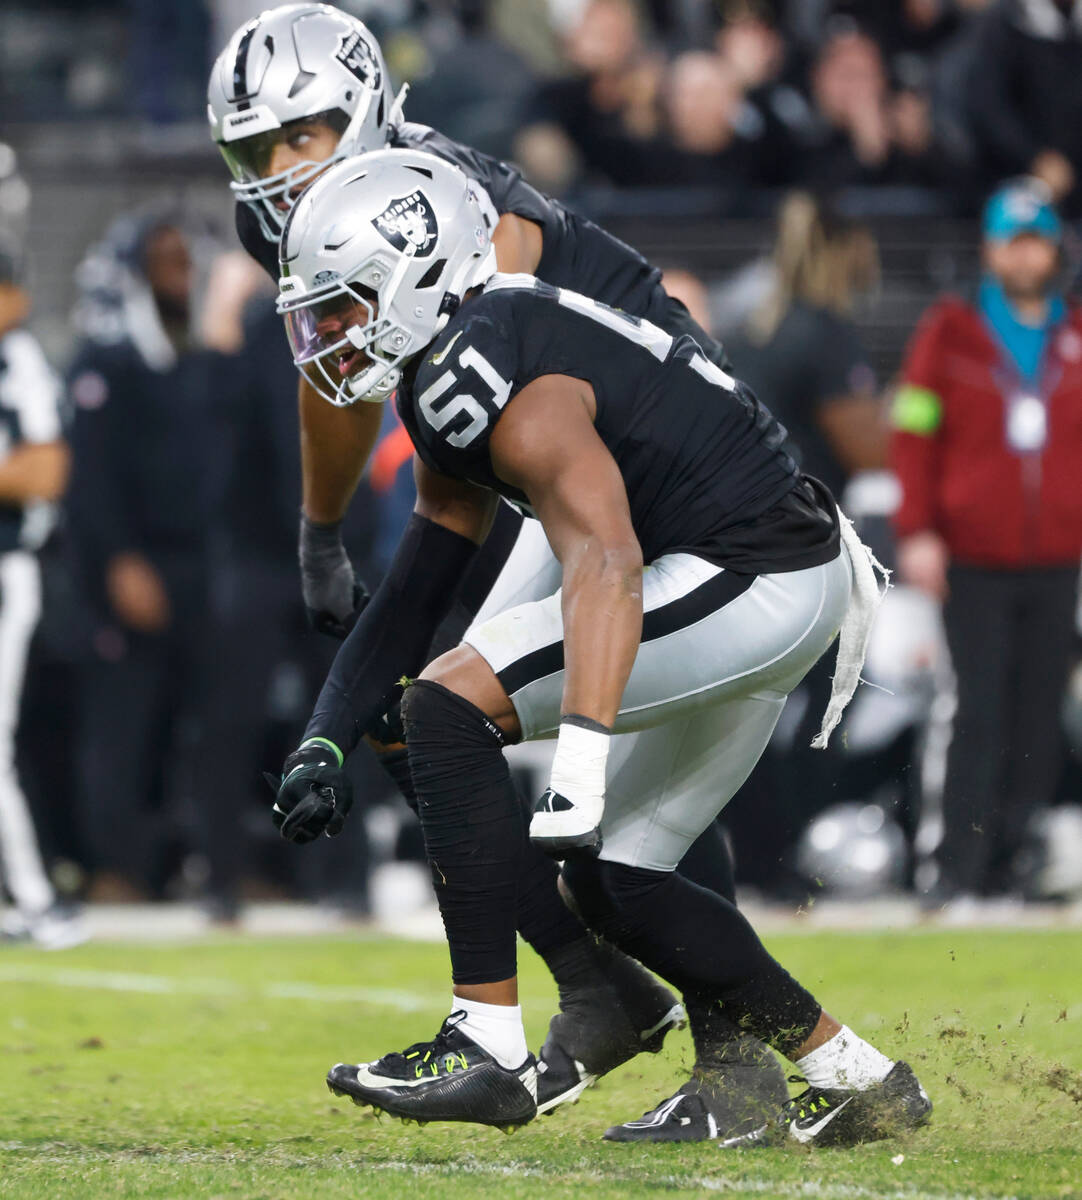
738,1094
616,1011
682,1118
562,830
447,1079
843,1117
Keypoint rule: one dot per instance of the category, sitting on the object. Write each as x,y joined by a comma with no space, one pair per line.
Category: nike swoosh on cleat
806,1133
437,359
369,1079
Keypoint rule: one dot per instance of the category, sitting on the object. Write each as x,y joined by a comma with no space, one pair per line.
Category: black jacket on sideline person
148,454
1024,93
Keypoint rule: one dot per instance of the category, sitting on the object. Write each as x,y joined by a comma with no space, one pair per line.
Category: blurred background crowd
811,175
723,95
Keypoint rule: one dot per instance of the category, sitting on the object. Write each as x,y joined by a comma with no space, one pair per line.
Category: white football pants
20,608
719,655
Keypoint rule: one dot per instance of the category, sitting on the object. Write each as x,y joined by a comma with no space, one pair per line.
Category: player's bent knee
604,893
583,886
465,673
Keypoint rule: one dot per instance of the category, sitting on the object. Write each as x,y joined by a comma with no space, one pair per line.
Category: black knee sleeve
709,862
472,824
397,766
696,940
544,921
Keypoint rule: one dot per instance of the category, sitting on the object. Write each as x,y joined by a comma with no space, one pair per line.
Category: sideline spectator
850,92
266,663
715,137
467,81
801,354
146,485
988,450
801,351
605,118
1025,102
754,46
868,133
33,471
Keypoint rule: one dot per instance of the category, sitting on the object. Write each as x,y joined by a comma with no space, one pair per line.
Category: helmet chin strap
396,116
346,143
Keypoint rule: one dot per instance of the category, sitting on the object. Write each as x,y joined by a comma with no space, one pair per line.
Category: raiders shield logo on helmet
356,56
409,224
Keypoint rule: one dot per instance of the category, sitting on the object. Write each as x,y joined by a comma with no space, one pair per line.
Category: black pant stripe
704,600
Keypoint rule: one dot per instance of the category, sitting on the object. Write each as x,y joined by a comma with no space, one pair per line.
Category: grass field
197,1071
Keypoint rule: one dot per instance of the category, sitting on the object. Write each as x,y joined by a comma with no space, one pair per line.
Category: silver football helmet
376,257
290,63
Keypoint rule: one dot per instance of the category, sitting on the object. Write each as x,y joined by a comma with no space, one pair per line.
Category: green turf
209,1082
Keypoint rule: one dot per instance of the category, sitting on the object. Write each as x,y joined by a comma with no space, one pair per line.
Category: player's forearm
602,611
392,635
34,472
335,447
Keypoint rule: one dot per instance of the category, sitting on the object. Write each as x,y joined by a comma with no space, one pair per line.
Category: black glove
334,595
314,795
326,622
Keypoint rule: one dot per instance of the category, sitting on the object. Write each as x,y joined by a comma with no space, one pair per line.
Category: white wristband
578,768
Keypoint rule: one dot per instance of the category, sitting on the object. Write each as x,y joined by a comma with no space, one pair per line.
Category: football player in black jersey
702,576
295,90
299,88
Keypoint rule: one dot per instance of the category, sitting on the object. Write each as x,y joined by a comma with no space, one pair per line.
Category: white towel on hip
856,627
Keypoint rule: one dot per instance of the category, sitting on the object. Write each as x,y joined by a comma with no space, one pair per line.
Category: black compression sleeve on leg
396,763
393,633
697,941
544,920
709,862
473,828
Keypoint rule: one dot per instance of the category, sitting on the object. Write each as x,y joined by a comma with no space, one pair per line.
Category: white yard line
811,1189
165,985
178,923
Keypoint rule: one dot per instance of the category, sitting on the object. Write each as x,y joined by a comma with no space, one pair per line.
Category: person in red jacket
987,446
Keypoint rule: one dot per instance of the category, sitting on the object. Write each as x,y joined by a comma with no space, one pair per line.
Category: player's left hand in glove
334,594
314,795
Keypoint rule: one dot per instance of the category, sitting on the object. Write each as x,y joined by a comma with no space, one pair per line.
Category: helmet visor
334,339
251,159
346,318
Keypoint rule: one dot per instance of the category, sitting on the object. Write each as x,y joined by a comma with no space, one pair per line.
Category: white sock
845,1061
496,1028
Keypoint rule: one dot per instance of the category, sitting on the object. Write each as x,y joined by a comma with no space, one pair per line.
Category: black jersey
702,460
575,253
